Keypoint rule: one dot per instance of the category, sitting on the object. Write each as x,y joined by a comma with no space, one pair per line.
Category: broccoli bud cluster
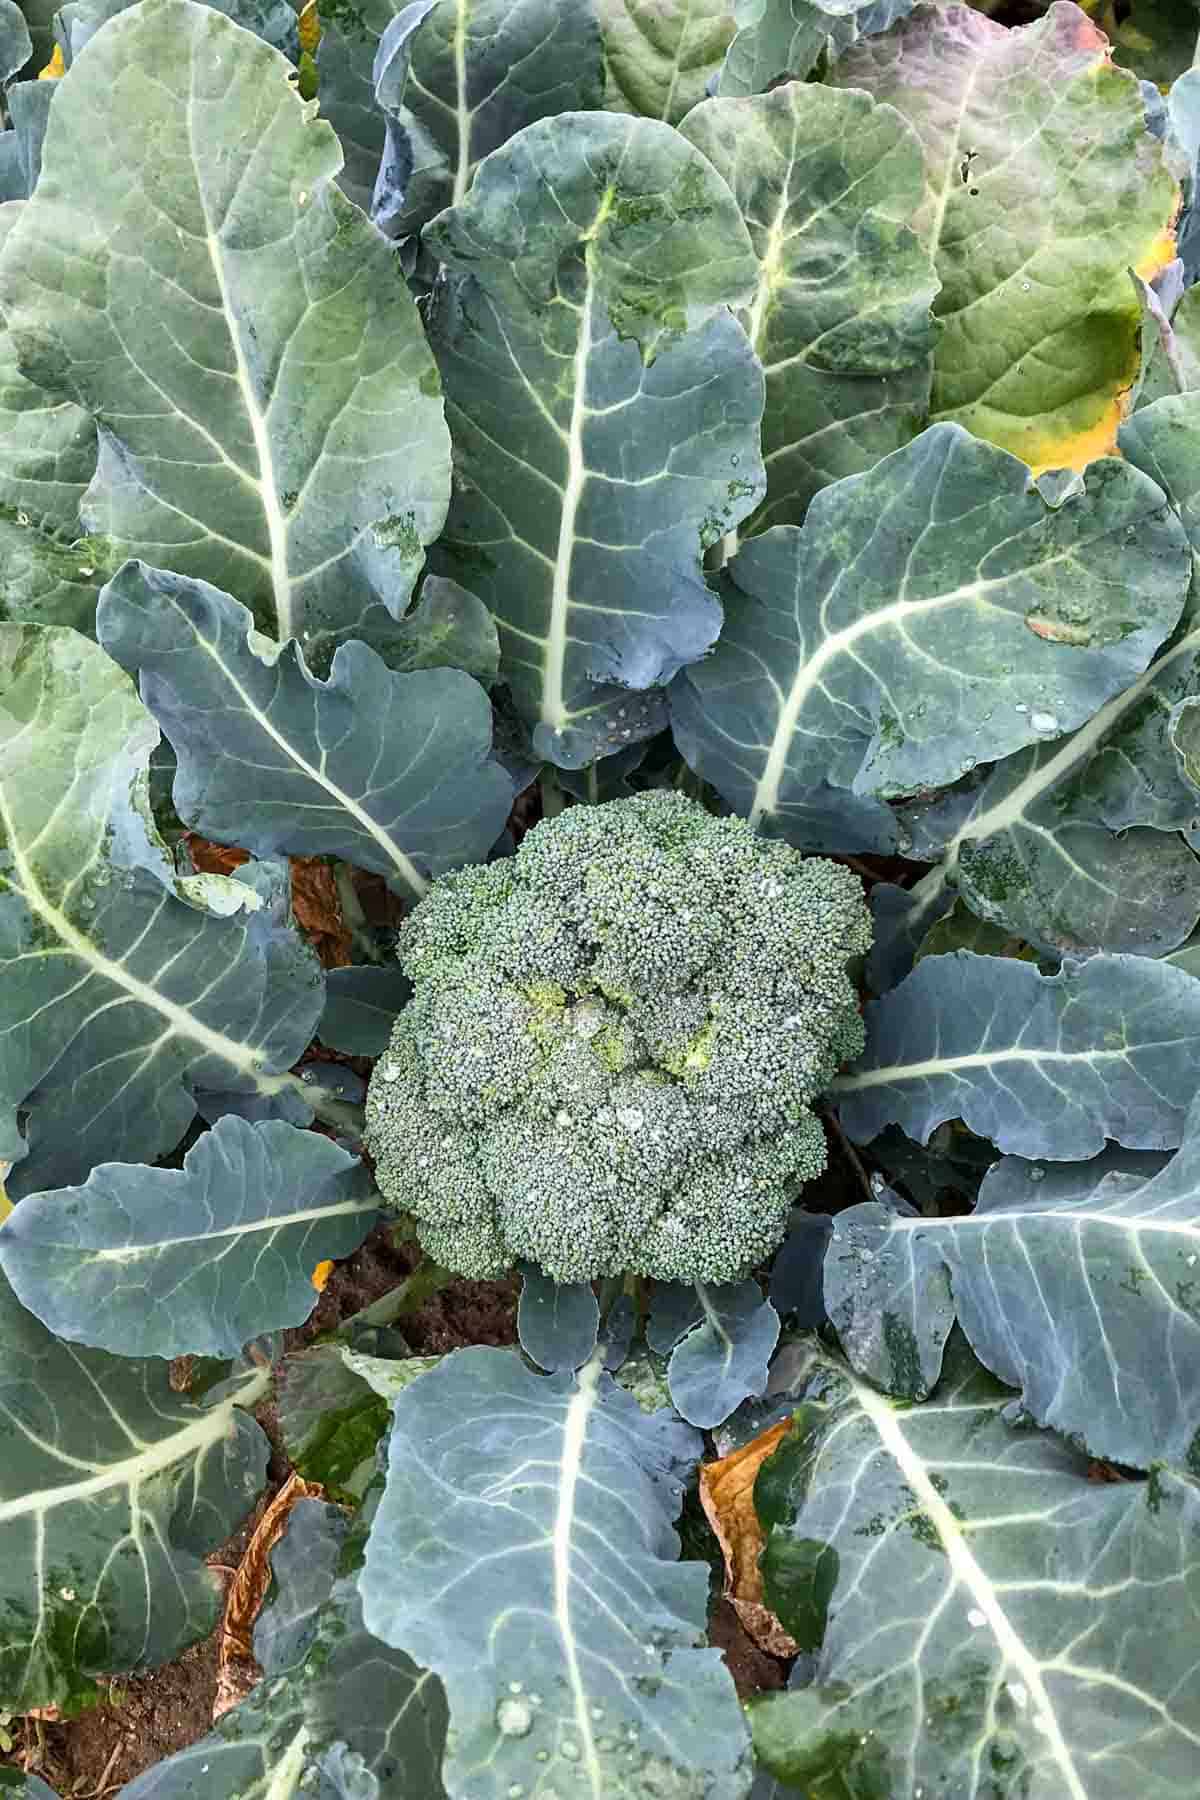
614,1038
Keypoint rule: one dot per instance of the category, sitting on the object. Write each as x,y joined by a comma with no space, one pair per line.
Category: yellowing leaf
1033,230
727,1496
321,1274
55,67
310,28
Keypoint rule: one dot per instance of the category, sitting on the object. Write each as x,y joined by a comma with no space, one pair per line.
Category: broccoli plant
614,1041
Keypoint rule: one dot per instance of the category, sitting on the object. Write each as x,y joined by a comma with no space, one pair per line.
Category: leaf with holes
525,1551
605,410
980,1611
1032,231
393,772
269,413
121,999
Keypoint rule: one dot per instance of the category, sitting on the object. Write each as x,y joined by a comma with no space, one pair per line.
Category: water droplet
513,1718
1036,1174
1019,1692
570,1749
1043,721
967,764
975,1618
515,1687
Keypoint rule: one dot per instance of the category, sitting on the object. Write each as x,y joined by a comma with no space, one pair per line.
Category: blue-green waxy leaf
350,39
1043,1065
986,1627
457,79
269,412
663,55
1076,1284
932,614
360,1008
112,1490
887,1294
120,999
722,1359
393,772
827,183
77,23
524,1549
605,409
28,104
15,44
330,1420
447,628
558,1323
789,37
166,1262
338,1715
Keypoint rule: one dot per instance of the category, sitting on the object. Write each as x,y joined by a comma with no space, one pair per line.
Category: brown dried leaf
727,1496
318,910
214,859
237,1671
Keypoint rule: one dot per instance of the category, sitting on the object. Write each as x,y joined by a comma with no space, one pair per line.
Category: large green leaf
605,409
15,44
1043,1065
525,1551
168,1262
932,614
1032,226
827,183
119,999
458,79
392,772
1076,1283
112,1490
338,1715
991,1622
661,55
777,38
77,23
269,411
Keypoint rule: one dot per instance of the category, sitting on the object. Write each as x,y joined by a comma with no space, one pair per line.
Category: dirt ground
142,1719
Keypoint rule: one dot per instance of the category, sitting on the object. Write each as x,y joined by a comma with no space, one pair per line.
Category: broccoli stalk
614,1039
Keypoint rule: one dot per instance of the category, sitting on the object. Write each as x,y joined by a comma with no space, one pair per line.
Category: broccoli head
613,1040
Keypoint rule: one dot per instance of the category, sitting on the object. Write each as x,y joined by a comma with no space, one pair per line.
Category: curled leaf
727,1496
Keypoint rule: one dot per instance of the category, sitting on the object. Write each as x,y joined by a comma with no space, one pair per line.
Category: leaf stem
353,917
408,1296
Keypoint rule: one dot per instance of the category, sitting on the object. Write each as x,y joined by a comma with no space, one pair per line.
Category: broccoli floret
614,1039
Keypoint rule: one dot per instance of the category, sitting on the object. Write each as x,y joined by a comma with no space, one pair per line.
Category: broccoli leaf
457,79
1075,1283
887,1294
330,1420
360,1008
1041,335
121,999
112,1489
827,183
77,23
558,1323
166,1262
600,442
917,626
721,1359
789,37
338,1713
524,1548
15,44
278,429
393,772
661,55
984,1617
1043,1065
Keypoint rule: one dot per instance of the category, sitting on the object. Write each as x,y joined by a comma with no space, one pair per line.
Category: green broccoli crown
612,1044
